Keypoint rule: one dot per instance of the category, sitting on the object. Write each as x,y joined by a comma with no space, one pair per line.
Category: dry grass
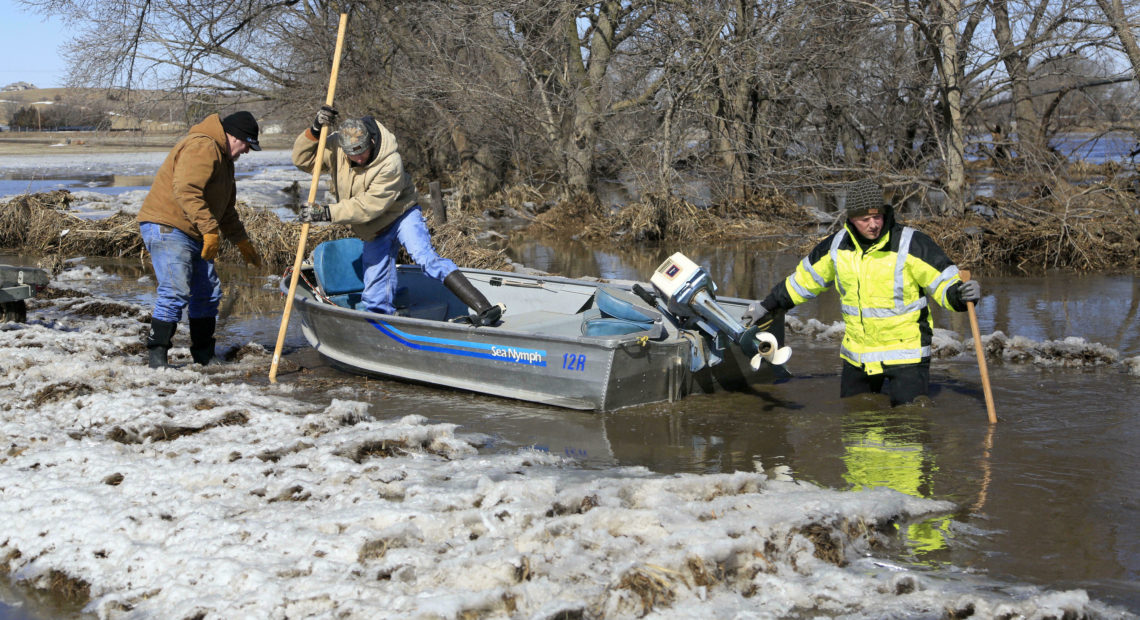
658,217
170,432
42,224
653,586
1095,227
1059,225
71,589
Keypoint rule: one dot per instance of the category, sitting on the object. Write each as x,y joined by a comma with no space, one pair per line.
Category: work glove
325,116
759,315
249,253
315,213
210,245
970,290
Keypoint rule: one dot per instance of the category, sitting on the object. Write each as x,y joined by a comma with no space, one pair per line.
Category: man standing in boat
884,272
190,206
376,197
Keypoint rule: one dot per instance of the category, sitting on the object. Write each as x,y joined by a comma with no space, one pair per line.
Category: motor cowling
688,291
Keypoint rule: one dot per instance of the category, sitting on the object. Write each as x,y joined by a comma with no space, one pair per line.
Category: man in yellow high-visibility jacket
884,272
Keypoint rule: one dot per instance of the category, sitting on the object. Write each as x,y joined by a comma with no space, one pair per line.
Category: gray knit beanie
864,197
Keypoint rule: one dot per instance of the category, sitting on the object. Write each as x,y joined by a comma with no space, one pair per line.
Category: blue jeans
184,279
379,260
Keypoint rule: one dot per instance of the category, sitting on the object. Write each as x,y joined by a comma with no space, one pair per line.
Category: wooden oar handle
299,258
980,352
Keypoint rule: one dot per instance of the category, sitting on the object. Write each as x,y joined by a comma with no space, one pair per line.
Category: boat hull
535,355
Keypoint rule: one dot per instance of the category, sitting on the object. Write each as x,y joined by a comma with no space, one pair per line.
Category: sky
31,46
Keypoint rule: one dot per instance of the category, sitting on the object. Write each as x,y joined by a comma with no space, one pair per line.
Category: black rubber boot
202,339
485,312
158,343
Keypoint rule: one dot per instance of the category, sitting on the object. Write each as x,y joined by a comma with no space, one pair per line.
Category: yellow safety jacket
883,291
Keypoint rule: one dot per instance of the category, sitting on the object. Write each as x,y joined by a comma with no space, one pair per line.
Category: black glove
315,213
326,115
759,315
970,290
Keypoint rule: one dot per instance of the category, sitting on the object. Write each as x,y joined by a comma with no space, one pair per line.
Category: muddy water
1048,496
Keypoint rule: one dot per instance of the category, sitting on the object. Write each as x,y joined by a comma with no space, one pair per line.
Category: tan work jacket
368,197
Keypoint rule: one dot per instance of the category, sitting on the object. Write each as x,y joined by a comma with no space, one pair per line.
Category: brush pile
42,224
661,217
1094,227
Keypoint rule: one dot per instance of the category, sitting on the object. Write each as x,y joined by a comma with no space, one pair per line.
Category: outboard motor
688,291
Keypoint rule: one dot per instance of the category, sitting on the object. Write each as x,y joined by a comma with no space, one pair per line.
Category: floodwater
1048,496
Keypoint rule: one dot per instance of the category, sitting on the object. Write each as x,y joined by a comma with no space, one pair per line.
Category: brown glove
248,253
210,245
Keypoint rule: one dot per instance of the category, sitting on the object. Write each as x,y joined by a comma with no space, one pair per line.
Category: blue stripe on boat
502,353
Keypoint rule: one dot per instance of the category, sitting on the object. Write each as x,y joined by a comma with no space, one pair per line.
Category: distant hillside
148,111
17,86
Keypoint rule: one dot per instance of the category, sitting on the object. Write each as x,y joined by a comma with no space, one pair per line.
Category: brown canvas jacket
369,197
194,189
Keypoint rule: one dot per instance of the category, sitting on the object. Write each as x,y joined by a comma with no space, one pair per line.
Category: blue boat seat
340,271
624,305
622,313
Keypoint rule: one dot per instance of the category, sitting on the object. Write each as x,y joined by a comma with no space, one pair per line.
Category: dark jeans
184,279
904,382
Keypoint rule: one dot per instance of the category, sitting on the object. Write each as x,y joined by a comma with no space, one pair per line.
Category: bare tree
1121,19
741,96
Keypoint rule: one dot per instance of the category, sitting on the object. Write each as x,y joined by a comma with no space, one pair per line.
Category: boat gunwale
673,333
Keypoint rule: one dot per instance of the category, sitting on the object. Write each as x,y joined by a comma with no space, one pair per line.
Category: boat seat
619,304
622,313
340,271
339,268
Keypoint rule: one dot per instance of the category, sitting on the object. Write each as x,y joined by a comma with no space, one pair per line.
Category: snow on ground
196,493
1071,352
1132,364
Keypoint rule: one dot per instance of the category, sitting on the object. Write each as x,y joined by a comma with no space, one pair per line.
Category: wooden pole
980,352
437,208
312,196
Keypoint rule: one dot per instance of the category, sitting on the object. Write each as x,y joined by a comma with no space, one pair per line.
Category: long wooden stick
312,196
980,352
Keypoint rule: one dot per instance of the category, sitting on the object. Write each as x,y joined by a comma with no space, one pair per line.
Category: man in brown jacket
190,205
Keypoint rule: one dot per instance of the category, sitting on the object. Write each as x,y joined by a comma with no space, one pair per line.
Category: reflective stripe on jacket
882,292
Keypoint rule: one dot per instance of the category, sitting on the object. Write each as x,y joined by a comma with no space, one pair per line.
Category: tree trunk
955,147
1030,134
480,170
1118,18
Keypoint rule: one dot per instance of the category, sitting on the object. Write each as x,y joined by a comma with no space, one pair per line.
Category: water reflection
889,449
